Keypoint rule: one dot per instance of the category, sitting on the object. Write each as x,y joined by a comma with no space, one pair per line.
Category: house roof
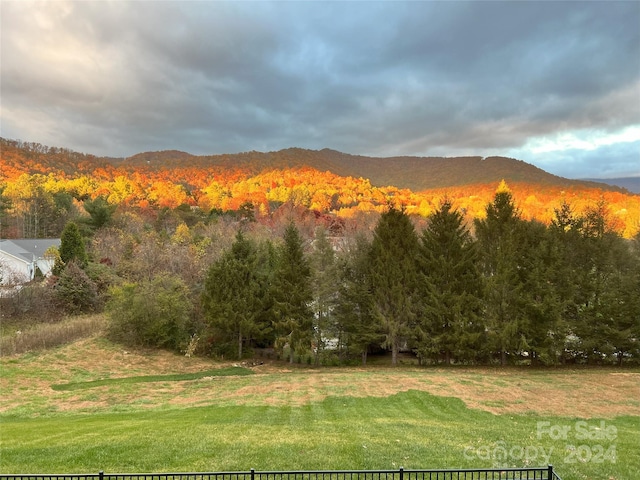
28,249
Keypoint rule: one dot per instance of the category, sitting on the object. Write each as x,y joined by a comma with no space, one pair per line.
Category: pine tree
292,296
567,275
608,309
325,289
619,321
451,286
234,296
394,276
358,327
497,235
100,212
75,291
72,246
541,326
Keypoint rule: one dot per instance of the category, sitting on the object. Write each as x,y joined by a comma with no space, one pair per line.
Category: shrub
34,301
75,291
152,313
104,278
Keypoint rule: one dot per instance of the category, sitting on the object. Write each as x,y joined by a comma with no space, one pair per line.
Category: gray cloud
380,78
608,161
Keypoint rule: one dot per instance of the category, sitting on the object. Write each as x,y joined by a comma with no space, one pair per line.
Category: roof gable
28,249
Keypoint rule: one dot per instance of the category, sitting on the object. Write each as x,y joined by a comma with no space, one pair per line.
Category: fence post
401,473
101,474
252,474
550,472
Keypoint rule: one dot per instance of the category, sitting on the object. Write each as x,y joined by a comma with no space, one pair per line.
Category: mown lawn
302,418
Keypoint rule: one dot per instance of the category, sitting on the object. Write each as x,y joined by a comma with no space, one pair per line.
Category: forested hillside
43,187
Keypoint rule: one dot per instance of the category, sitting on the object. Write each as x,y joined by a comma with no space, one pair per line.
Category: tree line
500,290
515,291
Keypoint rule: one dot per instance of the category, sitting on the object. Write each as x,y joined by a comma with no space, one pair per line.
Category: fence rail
528,473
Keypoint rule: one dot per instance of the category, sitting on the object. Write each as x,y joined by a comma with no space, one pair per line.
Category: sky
556,84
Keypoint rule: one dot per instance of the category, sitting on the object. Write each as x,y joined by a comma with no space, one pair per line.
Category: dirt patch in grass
26,384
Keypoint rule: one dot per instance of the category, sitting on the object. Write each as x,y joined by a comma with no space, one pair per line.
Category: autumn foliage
36,178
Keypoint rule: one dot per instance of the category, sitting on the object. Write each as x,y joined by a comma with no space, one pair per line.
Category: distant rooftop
28,249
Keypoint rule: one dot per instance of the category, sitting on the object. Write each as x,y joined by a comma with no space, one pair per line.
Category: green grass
114,416
180,377
411,429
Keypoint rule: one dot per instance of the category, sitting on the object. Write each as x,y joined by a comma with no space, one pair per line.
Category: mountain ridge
406,172
632,184
411,172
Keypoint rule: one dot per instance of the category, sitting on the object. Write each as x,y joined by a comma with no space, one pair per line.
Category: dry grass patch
580,393
26,384
42,336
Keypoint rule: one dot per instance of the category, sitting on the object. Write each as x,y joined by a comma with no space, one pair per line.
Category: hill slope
414,173
323,181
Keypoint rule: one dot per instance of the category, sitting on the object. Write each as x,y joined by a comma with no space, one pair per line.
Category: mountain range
318,180
414,173
632,184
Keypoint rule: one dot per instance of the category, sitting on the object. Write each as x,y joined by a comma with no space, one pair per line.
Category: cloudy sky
551,83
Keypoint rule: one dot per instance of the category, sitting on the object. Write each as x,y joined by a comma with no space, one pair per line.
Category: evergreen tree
358,328
619,320
292,296
234,296
72,246
394,277
606,323
100,212
325,286
451,289
497,235
75,291
568,274
543,332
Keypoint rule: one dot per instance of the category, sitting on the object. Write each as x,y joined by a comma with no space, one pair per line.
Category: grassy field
92,406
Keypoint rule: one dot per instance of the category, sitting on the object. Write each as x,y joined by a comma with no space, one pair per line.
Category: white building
19,259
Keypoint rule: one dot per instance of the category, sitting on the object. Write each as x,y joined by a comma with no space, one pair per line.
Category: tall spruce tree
325,290
451,289
541,326
606,324
358,327
394,278
619,319
292,295
234,296
497,235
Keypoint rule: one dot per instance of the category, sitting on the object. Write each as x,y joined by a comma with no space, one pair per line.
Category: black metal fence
528,473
